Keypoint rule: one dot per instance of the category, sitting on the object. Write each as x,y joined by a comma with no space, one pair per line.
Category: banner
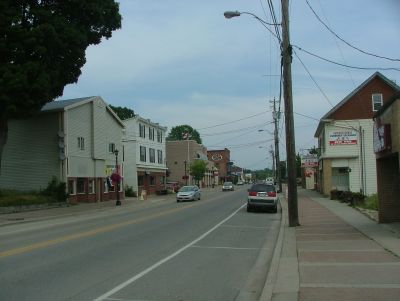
343,138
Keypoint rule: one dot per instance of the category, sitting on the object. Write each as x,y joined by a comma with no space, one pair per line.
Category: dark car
262,196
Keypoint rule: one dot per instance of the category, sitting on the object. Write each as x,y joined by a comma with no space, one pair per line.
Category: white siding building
144,155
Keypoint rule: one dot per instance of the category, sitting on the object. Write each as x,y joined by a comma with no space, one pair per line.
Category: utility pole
273,160
289,123
276,116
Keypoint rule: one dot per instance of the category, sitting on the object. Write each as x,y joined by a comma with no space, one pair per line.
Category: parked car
174,186
262,196
188,193
240,182
228,186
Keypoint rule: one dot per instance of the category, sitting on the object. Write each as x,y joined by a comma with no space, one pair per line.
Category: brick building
222,161
387,150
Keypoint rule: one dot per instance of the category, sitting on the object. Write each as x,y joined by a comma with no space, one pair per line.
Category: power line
237,130
229,122
312,78
344,41
343,65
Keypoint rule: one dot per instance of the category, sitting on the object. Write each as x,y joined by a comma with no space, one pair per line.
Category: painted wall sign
216,157
343,137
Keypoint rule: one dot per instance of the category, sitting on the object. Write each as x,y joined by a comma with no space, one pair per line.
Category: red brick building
222,161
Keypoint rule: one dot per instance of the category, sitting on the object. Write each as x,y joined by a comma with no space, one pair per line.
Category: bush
371,202
129,192
56,191
17,198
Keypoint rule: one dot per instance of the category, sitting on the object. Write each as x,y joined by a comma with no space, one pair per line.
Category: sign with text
343,137
310,160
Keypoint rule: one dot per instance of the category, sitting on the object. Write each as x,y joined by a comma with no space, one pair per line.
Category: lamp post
286,50
118,202
185,173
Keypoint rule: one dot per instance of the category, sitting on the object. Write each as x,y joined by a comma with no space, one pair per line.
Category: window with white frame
159,136
151,134
91,186
376,101
80,185
81,143
152,155
142,130
159,156
111,147
143,154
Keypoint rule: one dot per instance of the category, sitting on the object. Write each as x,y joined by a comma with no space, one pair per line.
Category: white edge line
162,261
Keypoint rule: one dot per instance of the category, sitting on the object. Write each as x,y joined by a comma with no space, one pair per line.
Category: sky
181,62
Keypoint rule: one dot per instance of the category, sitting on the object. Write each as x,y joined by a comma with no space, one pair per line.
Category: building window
159,156
152,180
159,136
162,180
142,130
151,134
111,147
152,154
106,185
140,180
80,185
71,187
143,154
81,143
376,101
91,186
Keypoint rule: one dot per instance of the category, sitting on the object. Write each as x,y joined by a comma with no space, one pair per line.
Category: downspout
361,159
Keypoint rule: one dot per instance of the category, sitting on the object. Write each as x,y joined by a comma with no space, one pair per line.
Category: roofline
148,121
355,91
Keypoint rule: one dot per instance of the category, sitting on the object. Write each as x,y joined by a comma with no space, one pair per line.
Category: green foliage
56,191
129,192
14,198
123,112
177,133
198,169
372,202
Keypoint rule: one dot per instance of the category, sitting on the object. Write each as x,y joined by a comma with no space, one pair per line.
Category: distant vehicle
228,186
174,186
270,181
262,196
188,193
240,182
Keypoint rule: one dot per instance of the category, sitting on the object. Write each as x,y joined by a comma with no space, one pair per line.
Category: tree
177,133
123,112
197,169
42,49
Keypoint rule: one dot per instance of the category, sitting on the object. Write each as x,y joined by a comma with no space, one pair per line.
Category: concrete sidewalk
336,254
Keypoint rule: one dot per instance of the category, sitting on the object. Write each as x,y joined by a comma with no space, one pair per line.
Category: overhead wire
344,41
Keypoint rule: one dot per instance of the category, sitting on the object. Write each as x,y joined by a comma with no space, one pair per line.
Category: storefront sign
343,137
310,160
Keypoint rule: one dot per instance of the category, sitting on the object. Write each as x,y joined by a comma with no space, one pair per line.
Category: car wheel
275,210
248,209
178,201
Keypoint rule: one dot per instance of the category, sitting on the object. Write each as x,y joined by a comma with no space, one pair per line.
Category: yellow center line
52,242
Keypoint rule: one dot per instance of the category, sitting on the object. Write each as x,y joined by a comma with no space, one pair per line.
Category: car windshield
227,183
187,188
262,188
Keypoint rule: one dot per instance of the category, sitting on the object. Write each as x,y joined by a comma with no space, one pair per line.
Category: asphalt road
203,250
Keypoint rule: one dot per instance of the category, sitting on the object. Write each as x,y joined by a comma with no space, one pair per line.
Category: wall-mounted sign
343,137
310,160
216,157
382,139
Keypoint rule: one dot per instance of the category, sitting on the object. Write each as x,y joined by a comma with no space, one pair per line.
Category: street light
286,51
185,173
118,202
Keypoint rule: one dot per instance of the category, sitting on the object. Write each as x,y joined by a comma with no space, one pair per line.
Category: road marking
47,243
164,260
227,248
